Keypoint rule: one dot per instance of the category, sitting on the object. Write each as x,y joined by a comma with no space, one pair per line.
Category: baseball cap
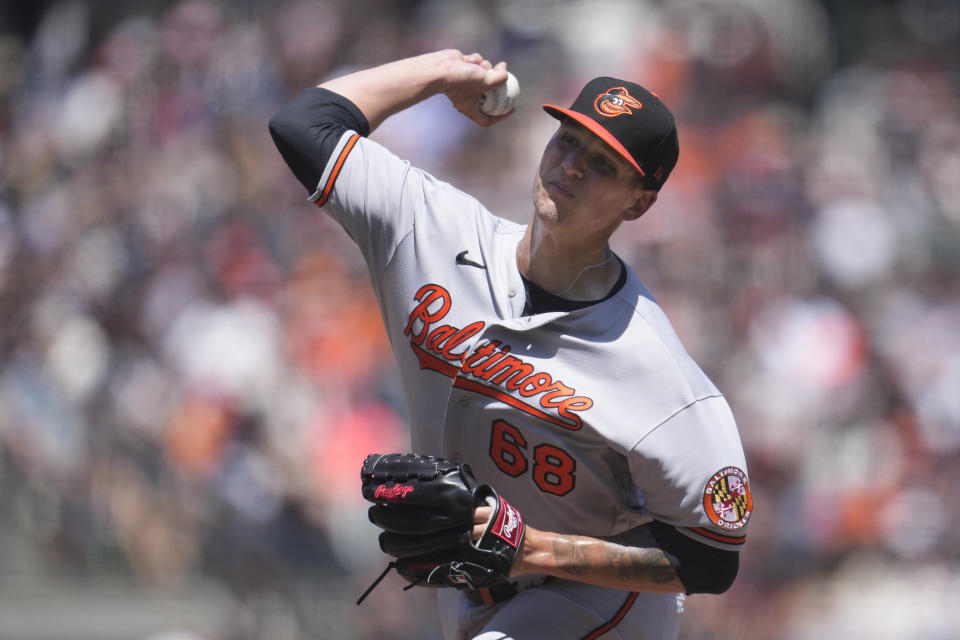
632,120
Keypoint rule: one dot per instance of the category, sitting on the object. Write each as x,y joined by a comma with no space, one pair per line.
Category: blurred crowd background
192,365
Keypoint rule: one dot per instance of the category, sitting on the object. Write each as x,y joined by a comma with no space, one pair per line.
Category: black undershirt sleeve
701,568
306,131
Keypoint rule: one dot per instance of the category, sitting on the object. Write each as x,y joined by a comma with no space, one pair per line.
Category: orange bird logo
616,102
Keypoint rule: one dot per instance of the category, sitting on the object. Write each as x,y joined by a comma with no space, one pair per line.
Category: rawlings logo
488,369
509,524
513,520
616,102
392,494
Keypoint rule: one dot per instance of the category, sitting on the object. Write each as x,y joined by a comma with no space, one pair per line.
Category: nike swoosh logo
463,259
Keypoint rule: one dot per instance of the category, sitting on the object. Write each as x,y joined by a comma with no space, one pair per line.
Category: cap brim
597,129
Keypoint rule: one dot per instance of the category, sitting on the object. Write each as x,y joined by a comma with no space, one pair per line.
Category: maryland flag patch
726,498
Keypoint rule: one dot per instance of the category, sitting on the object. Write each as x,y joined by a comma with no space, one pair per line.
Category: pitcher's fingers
484,120
495,76
481,515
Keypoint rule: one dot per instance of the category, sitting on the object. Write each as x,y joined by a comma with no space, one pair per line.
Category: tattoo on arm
571,556
579,557
632,563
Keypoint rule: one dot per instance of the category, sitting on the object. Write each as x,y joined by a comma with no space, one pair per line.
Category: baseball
502,98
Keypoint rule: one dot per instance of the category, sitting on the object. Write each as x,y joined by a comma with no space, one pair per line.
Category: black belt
492,594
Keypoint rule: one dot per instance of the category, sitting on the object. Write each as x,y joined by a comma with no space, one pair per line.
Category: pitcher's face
582,182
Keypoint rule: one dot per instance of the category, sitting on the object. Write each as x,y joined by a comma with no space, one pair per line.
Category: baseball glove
425,507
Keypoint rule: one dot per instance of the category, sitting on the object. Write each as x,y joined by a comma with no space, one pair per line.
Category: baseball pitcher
574,473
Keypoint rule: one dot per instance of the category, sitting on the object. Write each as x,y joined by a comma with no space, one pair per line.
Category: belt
492,594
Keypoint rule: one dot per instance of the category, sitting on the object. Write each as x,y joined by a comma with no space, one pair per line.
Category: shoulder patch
727,500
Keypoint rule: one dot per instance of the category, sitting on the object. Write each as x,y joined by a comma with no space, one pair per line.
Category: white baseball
502,98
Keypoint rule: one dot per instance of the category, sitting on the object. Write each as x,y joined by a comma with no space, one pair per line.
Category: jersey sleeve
691,473
372,193
307,130
375,196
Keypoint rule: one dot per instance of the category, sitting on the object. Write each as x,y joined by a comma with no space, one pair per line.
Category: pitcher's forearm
380,92
598,562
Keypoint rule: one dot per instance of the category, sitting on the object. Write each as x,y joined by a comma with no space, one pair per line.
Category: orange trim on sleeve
327,188
718,536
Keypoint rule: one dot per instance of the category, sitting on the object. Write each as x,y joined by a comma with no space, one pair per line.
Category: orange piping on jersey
496,394
615,620
718,537
327,188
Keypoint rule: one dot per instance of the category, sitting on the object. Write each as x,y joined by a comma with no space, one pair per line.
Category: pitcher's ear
644,201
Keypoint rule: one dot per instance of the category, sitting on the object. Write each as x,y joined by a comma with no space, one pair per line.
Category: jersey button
512,292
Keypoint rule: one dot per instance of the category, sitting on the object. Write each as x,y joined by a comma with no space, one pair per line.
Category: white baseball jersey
590,422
